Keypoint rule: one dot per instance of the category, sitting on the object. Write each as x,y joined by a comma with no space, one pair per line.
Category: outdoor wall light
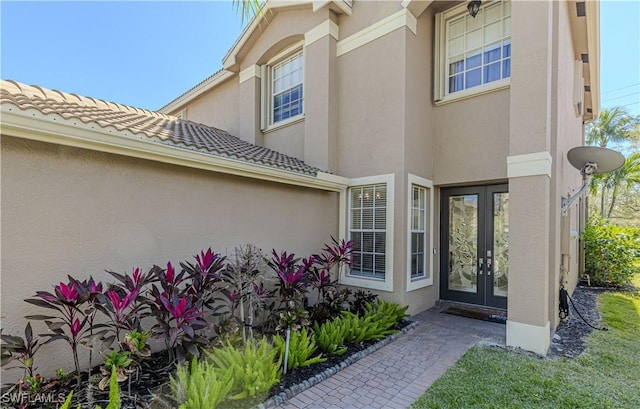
474,7
590,160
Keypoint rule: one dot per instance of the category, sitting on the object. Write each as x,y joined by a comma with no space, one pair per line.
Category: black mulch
155,375
568,340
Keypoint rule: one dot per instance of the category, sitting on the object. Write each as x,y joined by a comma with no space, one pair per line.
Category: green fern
114,390
254,368
330,337
388,314
67,402
301,349
365,328
198,386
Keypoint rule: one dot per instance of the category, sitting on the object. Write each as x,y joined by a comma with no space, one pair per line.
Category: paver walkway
394,376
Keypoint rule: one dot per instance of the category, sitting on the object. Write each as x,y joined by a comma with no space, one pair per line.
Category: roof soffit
585,31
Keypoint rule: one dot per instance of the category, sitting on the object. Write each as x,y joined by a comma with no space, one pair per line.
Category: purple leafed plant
178,320
292,275
70,322
205,278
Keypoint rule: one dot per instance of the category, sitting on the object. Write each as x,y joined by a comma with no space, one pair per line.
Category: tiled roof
156,126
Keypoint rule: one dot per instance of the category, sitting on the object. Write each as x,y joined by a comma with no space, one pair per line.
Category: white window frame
385,284
441,95
414,283
266,106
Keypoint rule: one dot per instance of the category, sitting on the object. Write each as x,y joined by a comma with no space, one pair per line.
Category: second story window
286,88
474,53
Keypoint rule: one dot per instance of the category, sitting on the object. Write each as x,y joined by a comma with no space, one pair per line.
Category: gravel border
306,384
568,339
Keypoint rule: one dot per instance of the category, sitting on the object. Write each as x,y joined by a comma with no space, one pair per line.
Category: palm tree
247,8
622,179
612,125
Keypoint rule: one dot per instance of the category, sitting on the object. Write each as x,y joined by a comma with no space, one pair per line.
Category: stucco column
250,112
529,171
321,102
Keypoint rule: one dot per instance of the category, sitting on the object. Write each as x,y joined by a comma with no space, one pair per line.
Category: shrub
330,337
301,349
387,314
198,386
254,369
361,329
609,253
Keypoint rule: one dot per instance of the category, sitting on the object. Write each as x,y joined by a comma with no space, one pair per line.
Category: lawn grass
606,375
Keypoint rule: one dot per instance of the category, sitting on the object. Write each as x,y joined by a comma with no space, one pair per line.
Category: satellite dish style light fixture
474,7
590,160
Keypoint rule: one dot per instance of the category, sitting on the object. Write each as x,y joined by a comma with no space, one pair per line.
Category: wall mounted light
474,7
590,160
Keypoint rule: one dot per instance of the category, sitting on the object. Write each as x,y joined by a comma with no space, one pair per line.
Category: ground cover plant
605,375
205,314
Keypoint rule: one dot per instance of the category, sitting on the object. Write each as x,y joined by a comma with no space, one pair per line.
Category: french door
474,261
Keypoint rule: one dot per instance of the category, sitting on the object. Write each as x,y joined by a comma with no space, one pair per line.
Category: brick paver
397,374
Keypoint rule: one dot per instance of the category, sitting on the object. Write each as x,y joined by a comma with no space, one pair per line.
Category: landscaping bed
205,313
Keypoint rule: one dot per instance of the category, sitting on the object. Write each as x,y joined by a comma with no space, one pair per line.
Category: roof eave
52,128
270,9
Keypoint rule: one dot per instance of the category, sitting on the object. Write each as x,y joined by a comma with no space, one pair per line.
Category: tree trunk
604,192
614,193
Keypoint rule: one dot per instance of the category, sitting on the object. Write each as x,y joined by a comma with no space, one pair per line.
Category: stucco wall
371,105
73,211
218,107
567,134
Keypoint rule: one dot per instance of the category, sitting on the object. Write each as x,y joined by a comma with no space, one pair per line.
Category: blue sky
145,53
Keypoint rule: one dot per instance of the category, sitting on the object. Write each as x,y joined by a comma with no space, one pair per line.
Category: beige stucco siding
218,107
73,211
568,134
364,14
371,106
288,140
472,139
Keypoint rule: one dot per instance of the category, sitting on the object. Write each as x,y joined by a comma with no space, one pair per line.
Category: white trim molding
421,282
325,28
379,29
529,337
372,283
529,164
249,72
52,128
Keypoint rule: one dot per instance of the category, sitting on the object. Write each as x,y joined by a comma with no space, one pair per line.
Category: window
283,87
286,87
368,230
419,234
370,227
474,53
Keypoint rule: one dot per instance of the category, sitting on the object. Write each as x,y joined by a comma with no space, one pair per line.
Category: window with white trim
368,230
283,89
474,54
419,233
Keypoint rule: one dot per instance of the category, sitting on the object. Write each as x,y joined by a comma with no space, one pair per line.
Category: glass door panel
474,259
463,243
500,269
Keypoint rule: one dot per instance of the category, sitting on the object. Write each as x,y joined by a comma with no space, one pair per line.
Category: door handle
480,265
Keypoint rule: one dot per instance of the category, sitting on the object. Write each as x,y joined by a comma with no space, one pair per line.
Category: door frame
484,289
